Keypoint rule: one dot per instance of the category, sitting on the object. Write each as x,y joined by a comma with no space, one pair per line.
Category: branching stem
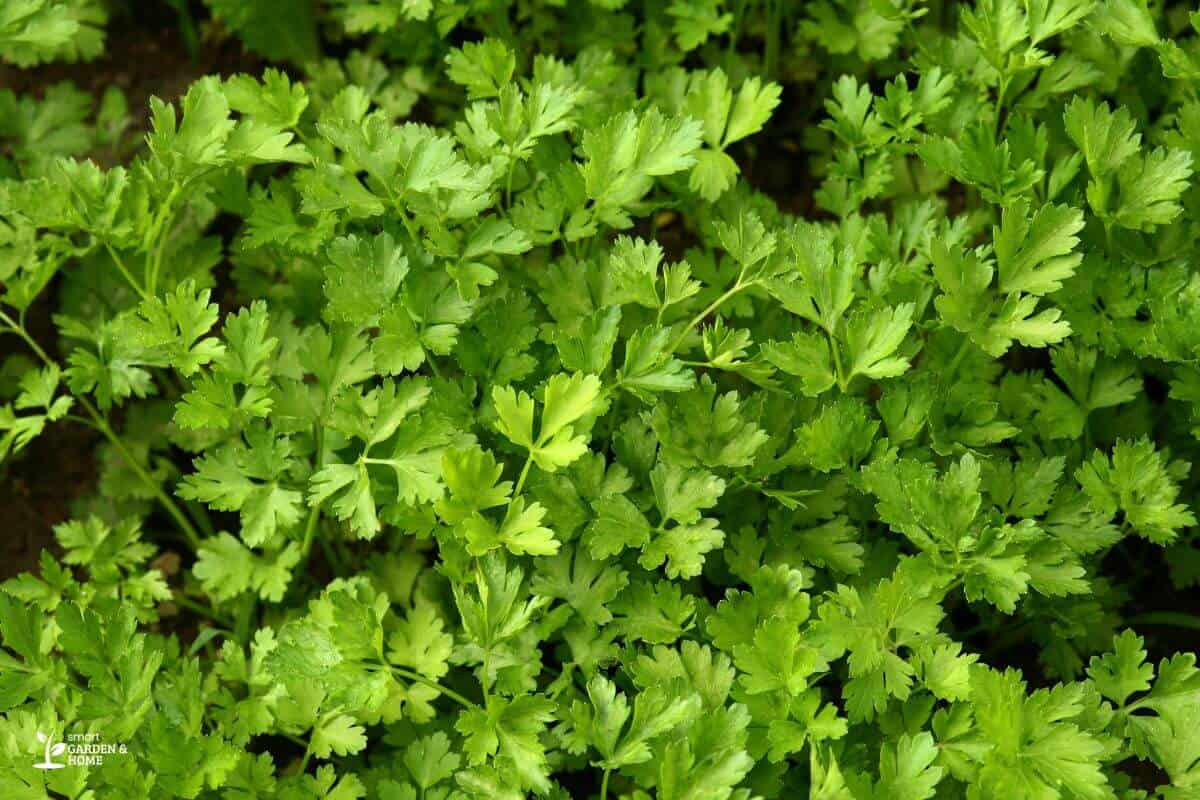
738,286
417,677
101,424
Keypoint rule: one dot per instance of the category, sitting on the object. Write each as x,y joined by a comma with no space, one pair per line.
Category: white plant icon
52,749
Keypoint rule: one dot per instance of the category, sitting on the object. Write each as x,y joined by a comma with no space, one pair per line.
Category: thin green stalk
187,27
19,330
291,737
739,17
314,514
484,680
774,23
508,179
331,555
412,675
307,756
163,498
1003,88
834,352
524,474
604,784
183,601
137,287
311,525
1171,619
911,171
199,514
310,528
408,223
244,622
101,424
958,356
161,227
713,306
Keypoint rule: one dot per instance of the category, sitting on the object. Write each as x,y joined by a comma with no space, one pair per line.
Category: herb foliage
514,445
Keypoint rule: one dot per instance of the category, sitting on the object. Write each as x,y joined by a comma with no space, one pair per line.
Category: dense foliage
469,426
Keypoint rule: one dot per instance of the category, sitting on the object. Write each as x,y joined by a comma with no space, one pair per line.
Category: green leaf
430,761
250,479
362,278
1123,672
649,367
621,738
1035,254
1106,138
338,735
237,388
568,398
420,642
778,660
622,158
37,390
907,772
587,585
508,732
806,356
1126,22
700,427
1137,480
873,339
483,68
227,568
1150,188
1033,741
520,532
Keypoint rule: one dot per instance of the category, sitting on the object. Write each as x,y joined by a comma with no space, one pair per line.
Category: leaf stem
774,24
524,474
413,675
1002,89
512,167
958,357
485,679
604,783
199,514
101,424
137,287
331,555
309,528
161,230
313,515
164,500
835,353
183,601
739,16
307,756
1173,619
710,308
244,621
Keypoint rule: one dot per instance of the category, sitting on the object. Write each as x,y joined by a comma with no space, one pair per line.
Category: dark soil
38,486
37,490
